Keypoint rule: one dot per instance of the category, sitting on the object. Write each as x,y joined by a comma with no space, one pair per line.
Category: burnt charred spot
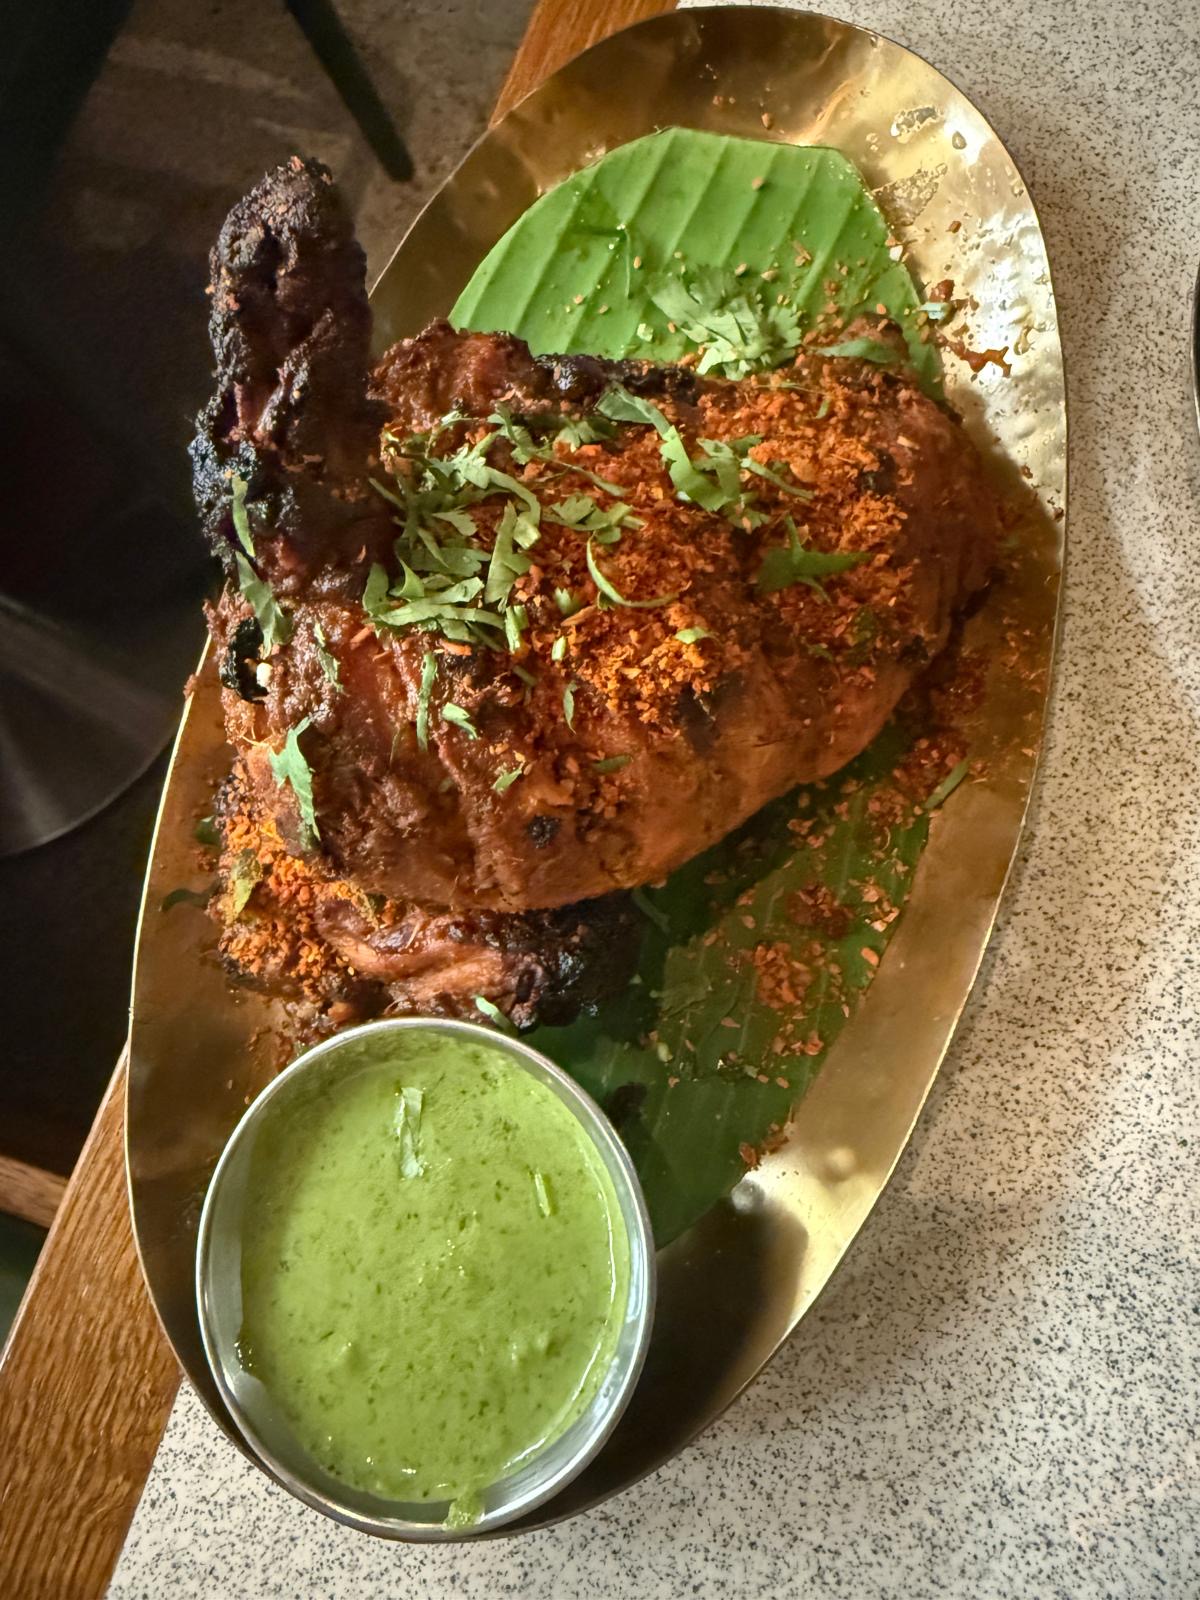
240,659
542,830
880,479
696,719
624,1103
583,379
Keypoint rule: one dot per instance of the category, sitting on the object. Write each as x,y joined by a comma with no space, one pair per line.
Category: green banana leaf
579,270
702,1060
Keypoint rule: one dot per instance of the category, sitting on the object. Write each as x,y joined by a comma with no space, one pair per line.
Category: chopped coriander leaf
507,779
740,327
247,871
649,910
516,620
797,489
186,897
618,599
694,485
568,701
713,483
692,635
529,679
541,1191
611,764
493,1013
622,406
581,511
290,767
460,719
375,591
570,432
567,602
241,518
206,832
559,648
387,494
460,520
948,785
861,350
575,431
409,1104
275,624
507,563
795,563
442,611
428,674
823,408
411,587
329,662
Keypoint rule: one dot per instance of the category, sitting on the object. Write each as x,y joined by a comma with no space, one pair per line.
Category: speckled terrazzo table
998,1393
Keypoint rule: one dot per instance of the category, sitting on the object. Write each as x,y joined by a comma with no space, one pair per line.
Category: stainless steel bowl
219,1300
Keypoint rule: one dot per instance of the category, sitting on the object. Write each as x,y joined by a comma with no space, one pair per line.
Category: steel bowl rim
601,1133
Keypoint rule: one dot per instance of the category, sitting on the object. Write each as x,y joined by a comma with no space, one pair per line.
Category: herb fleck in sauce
434,1268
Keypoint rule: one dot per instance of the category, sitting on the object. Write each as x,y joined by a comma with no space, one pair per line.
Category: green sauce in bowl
435,1268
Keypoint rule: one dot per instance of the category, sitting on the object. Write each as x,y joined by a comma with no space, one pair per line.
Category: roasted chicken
507,633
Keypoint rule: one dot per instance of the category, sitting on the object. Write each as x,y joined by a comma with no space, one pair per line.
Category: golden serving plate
734,1286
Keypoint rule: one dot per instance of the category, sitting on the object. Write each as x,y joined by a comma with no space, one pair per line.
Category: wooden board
28,1192
86,1385
86,1379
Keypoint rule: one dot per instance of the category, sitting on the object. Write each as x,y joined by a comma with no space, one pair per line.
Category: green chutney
434,1266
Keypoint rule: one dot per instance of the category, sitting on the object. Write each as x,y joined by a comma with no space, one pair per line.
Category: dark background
126,132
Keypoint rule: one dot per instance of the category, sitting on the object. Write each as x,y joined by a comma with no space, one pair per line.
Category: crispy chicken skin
641,732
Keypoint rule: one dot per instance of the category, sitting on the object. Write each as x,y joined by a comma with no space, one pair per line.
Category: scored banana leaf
755,953
591,265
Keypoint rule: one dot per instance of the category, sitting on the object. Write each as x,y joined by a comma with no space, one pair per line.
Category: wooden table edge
87,1379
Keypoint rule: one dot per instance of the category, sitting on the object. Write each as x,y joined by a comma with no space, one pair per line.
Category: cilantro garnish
246,872
622,406
525,448
582,512
241,519
796,563
567,602
428,674
460,719
290,767
516,620
493,1013
692,635
739,326
649,910
275,624
329,662
559,648
507,563
207,833
541,1190
568,701
186,897
507,779
610,593
712,481
611,764
861,350
410,1102
947,786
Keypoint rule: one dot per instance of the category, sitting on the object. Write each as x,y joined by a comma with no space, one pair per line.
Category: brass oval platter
735,1284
